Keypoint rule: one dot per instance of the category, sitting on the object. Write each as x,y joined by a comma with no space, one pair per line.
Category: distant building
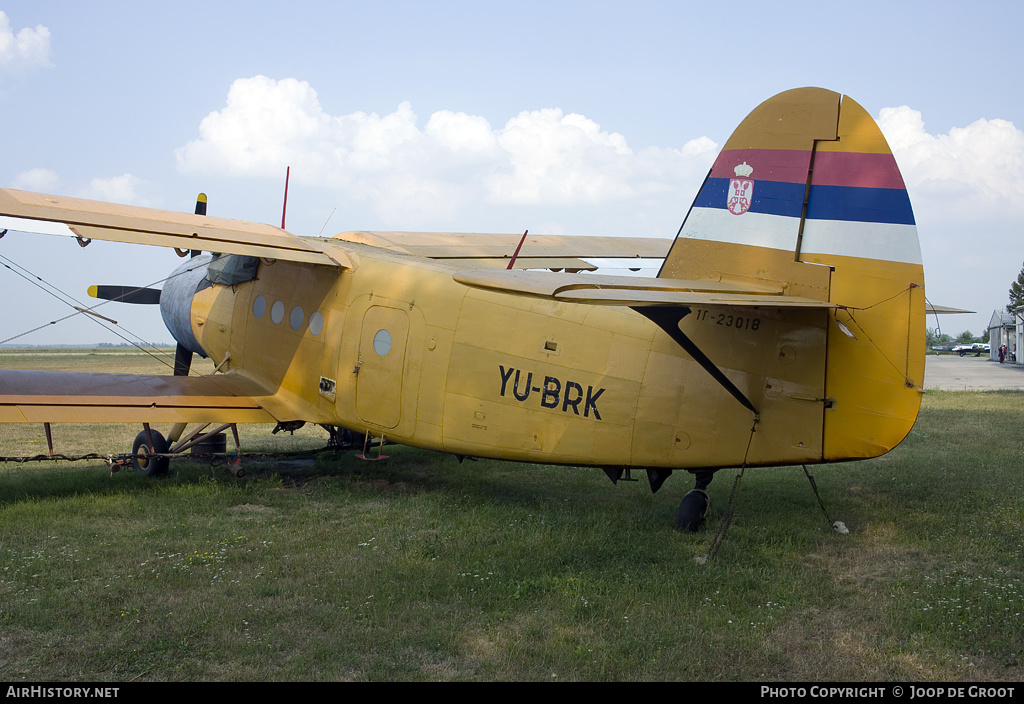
1018,340
1003,329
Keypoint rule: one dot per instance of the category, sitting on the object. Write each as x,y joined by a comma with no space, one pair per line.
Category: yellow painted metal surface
123,223
381,365
789,120
812,199
471,245
67,397
875,357
639,291
803,293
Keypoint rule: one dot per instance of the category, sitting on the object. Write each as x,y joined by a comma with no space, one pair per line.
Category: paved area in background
955,373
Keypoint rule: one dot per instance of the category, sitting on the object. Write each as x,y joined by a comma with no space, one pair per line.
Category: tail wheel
143,461
693,509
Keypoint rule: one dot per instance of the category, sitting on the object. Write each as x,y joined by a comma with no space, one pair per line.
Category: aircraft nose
176,300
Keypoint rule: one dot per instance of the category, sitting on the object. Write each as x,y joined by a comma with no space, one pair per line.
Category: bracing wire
70,300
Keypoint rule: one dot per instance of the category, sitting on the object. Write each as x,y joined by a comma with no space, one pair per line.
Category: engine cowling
176,300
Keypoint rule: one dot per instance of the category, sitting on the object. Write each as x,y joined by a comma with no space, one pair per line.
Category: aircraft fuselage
395,346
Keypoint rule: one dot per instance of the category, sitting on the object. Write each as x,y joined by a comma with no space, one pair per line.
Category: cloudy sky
560,117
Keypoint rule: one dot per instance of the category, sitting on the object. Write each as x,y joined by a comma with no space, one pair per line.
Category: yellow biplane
786,325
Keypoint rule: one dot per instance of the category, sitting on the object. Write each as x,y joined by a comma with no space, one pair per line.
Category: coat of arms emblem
741,189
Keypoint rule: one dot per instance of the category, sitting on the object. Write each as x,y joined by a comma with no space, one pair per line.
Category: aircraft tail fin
806,195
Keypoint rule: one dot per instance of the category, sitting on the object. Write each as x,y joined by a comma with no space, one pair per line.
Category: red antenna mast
516,253
284,209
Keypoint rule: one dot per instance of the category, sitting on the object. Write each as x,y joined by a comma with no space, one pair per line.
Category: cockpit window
232,269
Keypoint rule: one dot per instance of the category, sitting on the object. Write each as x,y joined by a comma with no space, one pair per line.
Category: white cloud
541,157
970,173
967,188
556,158
37,180
119,189
465,136
28,48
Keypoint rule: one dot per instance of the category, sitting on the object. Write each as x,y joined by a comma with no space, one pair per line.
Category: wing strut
667,318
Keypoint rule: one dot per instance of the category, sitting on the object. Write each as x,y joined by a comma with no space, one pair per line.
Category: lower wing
76,397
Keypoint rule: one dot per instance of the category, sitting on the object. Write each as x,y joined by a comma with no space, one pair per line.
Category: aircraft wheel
693,509
143,462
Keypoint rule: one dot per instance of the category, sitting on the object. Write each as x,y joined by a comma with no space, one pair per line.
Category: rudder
806,195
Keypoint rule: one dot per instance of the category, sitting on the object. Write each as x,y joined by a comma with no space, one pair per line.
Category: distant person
1002,353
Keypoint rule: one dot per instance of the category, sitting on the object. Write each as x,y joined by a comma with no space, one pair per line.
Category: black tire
142,462
693,509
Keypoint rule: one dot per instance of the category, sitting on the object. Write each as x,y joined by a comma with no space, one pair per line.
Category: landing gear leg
340,438
148,443
694,507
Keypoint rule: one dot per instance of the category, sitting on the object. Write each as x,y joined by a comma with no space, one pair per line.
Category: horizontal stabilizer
633,291
931,309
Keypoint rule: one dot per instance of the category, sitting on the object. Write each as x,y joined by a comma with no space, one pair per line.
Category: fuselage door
381,362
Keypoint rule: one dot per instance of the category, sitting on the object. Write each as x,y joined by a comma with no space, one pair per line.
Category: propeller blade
200,210
126,294
182,360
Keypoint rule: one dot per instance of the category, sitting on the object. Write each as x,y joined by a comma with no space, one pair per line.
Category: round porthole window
382,342
316,323
296,318
277,312
259,306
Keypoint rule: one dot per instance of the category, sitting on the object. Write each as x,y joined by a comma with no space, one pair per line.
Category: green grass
131,360
421,568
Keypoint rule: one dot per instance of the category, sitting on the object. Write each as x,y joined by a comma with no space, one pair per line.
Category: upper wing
76,397
91,219
495,250
635,291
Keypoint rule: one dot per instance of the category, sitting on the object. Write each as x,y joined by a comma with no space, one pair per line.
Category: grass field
421,568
